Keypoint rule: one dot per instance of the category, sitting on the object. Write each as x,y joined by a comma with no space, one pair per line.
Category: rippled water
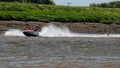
61,52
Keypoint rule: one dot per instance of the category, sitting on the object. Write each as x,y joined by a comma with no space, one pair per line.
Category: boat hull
31,33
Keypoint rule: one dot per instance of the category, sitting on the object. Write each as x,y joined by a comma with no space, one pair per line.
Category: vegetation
114,4
46,13
31,1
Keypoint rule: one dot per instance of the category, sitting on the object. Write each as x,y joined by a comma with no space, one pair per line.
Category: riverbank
77,27
48,13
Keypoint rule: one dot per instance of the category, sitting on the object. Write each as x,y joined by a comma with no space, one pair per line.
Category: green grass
46,13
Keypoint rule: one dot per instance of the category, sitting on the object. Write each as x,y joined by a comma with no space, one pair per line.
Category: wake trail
14,32
52,30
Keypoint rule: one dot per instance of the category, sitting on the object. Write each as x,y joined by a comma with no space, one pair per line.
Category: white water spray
53,31
14,32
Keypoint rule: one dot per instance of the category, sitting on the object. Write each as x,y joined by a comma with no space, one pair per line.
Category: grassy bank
46,13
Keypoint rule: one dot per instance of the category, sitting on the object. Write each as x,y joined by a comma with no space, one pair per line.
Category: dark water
43,52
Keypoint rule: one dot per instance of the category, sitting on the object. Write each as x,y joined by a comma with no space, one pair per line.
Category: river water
58,47
59,52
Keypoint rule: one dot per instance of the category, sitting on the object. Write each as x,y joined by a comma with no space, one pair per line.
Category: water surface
60,52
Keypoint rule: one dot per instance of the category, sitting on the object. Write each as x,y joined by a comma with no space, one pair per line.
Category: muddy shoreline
78,27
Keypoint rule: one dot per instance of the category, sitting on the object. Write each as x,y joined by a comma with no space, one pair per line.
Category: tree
114,4
31,1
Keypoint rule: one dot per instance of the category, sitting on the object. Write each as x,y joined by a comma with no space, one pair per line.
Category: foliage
114,4
31,1
46,13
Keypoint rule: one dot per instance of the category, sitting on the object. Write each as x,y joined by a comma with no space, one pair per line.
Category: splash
14,32
52,30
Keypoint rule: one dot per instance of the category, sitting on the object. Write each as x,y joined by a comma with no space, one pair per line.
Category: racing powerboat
34,33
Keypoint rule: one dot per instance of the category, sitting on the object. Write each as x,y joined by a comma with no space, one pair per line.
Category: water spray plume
14,32
53,31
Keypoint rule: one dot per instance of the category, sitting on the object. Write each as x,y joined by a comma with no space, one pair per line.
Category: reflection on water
68,52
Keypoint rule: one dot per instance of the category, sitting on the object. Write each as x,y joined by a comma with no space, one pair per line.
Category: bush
31,1
114,4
